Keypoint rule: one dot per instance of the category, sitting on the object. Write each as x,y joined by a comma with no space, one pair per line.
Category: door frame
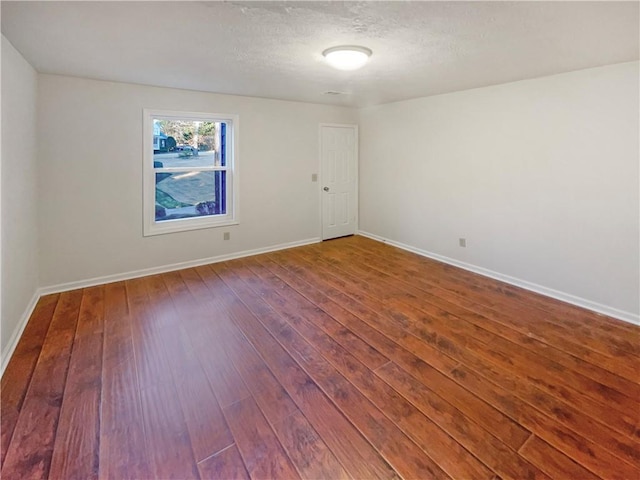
353,126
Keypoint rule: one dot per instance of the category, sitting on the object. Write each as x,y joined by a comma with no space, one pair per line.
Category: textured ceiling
273,49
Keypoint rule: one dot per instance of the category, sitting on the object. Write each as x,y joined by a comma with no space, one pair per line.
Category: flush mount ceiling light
347,57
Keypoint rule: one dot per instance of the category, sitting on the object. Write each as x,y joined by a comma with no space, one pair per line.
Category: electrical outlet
462,242
314,177
226,236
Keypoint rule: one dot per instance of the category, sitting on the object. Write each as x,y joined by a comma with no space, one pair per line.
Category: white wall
540,176
19,192
90,150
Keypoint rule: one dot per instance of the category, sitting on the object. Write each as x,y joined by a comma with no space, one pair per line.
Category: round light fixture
347,57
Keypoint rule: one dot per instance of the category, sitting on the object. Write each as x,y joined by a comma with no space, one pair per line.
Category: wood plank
430,303
402,453
226,464
302,308
19,371
273,400
357,456
502,458
17,375
386,326
167,438
485,414
123,451
623,448
76,447
227,385
208,430
209,343
582,389
166,431
552,462
259,447
323,299
575,398
152,365
540,390
307,450
435,305
8,421
30,450
491,419
587,453
552,330
453,290
416,426
561,309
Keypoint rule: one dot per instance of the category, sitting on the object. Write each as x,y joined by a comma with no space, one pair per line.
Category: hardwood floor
346,359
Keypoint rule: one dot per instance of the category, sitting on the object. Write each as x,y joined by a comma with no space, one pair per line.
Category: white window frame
150,226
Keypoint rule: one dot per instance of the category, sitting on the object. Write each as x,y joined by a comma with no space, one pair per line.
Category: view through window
198,150
192,166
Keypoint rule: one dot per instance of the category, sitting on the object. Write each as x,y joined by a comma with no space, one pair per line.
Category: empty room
320,240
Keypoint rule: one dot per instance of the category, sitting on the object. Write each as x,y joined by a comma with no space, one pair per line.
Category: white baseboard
549,292
63,287
17,332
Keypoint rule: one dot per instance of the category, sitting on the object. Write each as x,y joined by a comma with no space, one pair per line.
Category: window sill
184,226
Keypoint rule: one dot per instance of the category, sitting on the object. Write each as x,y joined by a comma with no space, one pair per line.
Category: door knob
326,189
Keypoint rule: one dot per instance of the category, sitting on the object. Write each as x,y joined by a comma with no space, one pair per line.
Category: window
190,171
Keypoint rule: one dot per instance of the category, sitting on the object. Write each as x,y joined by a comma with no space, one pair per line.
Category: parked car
188,149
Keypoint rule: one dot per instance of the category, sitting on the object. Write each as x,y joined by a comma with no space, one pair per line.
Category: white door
339,158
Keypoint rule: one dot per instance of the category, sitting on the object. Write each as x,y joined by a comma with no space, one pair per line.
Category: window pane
190,194
187,143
